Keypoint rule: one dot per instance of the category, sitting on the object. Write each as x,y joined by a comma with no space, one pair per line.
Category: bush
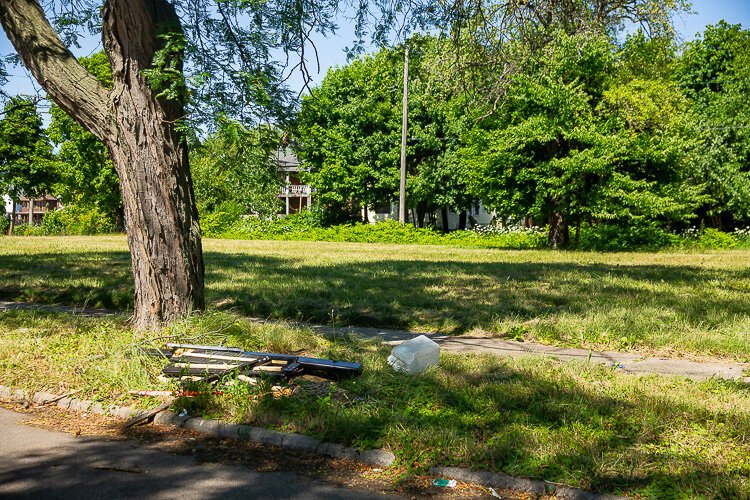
610,237
221,219
4,224
72,220
742,236
707,238
25,230
307,226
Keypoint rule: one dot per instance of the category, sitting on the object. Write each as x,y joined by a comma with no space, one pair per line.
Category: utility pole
402,190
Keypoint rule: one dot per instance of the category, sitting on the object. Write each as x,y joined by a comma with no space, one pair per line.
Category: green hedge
307,226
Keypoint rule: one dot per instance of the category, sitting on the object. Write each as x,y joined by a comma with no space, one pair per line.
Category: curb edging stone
534,487
214,428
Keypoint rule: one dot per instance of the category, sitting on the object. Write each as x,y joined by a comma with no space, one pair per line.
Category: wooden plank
203,366
202,355
208,347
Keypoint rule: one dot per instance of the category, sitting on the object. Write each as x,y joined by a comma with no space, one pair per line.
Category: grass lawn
583,425
665,303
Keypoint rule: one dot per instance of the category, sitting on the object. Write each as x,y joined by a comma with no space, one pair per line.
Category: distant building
295,195
27,213
477,215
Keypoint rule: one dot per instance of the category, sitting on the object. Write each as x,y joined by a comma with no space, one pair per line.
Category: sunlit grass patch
661,303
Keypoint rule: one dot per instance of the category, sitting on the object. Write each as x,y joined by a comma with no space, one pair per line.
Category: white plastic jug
415,356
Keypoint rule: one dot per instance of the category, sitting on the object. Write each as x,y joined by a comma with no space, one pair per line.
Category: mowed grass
662,303
579,424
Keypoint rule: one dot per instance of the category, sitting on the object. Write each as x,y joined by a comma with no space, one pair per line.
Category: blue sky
331,50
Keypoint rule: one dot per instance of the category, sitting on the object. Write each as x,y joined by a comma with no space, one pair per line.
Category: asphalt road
36,463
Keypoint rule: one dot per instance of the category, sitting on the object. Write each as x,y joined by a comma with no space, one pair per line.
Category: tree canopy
714,72
26,163
86,175
350,128
235,170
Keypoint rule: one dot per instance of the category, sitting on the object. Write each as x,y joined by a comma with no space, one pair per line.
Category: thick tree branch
68,83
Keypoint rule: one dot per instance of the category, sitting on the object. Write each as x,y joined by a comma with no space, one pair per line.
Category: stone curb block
288,440
532,486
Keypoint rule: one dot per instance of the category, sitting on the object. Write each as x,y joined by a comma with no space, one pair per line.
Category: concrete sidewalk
625,361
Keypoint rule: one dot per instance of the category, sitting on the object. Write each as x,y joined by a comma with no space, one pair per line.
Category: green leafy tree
573,143
714,72
87,176
350,131
26,163
234,169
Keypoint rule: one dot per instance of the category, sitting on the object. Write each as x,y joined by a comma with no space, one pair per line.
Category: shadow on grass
532,423
91,279
449,296
455,297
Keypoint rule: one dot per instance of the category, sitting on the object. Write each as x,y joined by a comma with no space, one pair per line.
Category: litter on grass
445,483
208,364
415,356
213,362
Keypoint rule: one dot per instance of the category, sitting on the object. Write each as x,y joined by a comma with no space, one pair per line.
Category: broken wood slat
209,371
189,358
207,347
177,371
193,354
217,366
178,394
161,353
300,364
240,368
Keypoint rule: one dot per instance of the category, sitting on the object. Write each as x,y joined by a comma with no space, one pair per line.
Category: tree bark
421,212
462,220
444,219
558,228
138,127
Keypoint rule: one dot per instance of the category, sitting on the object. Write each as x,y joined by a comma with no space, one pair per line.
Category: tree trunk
558,229
149,154
31,212
444,220
462,220
421,212
12,216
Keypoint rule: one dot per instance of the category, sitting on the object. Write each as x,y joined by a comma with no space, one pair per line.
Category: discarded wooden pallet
213,362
